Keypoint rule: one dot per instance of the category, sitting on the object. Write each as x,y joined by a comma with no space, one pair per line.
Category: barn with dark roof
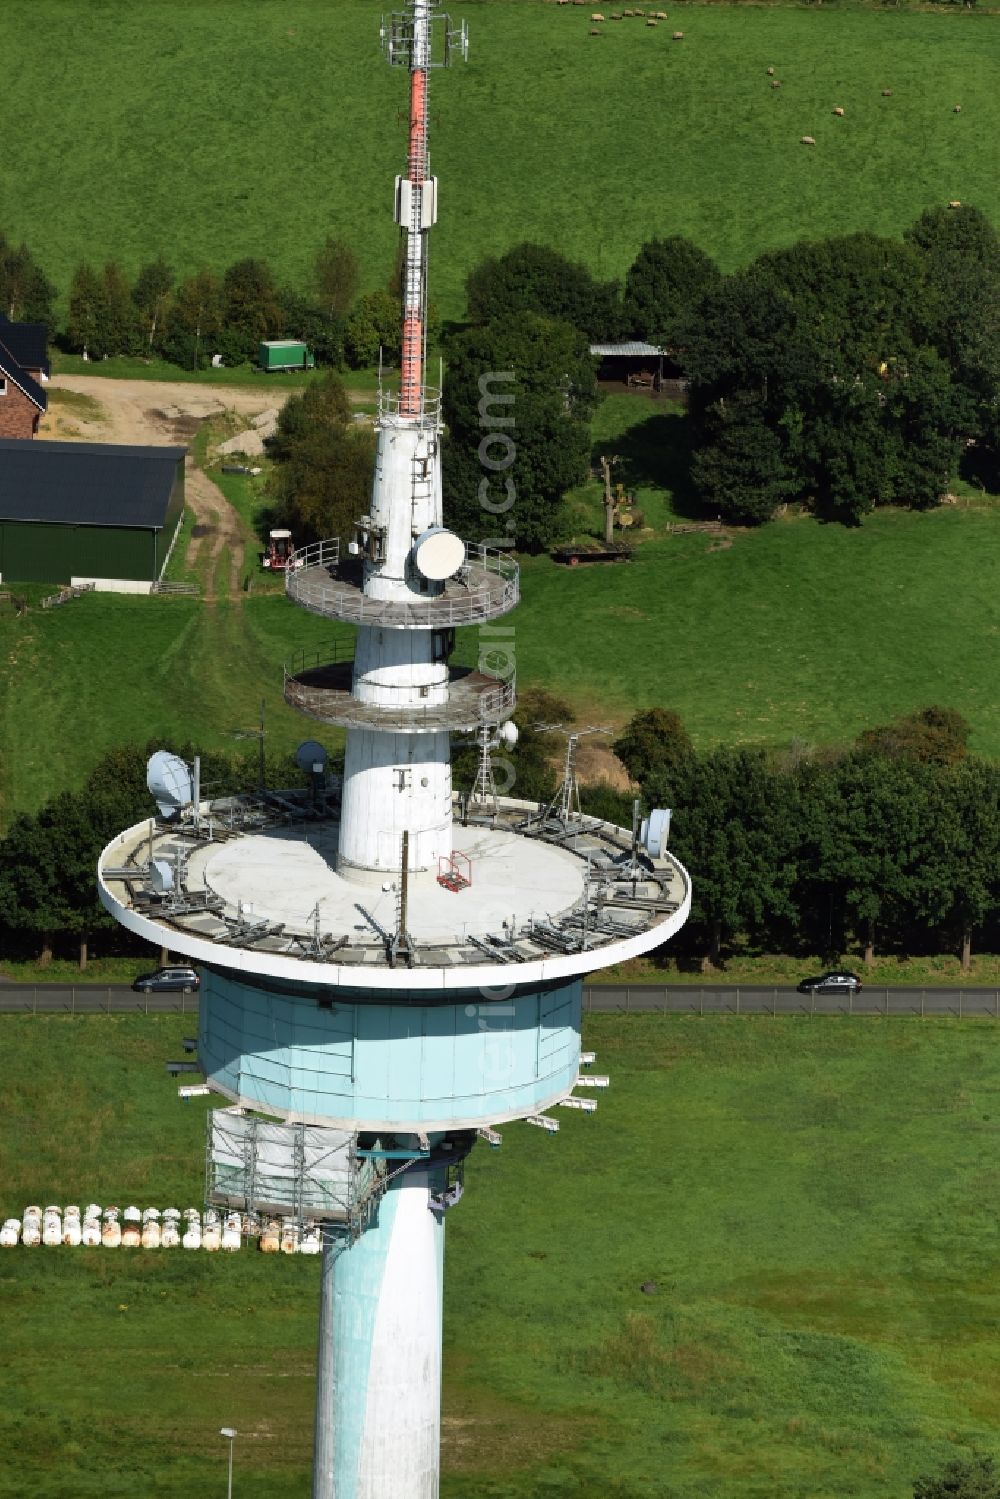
81,512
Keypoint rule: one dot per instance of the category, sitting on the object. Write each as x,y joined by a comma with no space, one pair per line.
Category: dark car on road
831,983
168,981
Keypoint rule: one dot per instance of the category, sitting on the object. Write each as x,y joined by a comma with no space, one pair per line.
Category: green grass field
796,632
815,1201
239,129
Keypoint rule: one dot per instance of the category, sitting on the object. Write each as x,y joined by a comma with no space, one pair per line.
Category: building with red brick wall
22,399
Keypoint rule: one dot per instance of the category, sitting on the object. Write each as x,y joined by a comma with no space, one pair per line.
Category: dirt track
162,414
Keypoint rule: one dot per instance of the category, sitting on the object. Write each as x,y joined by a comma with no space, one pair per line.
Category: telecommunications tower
388,970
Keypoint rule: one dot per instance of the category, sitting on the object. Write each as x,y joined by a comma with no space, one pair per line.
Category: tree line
892,844
841,375
187,320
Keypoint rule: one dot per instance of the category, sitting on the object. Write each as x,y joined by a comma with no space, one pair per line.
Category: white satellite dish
311,757
170,783
508,734
438,553
655,831
161,877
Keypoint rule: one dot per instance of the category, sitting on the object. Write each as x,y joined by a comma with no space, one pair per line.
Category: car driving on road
168,981
832,983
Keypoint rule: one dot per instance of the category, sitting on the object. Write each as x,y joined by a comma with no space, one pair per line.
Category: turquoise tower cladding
405,1062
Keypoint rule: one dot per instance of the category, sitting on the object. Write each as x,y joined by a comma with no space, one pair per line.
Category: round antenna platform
438,553
655,831
169,781
311,757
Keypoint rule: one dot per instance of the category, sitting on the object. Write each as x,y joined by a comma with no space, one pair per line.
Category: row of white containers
151,1229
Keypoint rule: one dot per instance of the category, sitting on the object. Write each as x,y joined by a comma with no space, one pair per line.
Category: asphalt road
725,999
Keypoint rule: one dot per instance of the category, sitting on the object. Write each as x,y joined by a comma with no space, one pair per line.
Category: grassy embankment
813,1199
591,144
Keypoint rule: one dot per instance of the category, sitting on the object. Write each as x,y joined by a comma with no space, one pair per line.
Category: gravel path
163,413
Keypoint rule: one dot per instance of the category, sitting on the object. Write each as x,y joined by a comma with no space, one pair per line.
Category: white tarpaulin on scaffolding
292,1168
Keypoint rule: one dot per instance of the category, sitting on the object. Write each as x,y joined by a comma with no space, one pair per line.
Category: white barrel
170,1235
151,1234
90,1233
270,1239
10,1233
192,1235
111,1233
232,1238
211,1235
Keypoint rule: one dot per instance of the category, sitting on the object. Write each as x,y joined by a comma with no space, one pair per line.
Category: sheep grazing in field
678,36
887,93
597,16
958,109
955,203
770,72
595,31
651,23
775,83
839,112
807,140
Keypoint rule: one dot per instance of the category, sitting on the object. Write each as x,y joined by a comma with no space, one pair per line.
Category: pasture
813,1200
796,632
213,131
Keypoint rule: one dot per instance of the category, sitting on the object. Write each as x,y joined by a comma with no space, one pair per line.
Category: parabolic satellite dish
655,831
508,733
169,781
309,755
438,553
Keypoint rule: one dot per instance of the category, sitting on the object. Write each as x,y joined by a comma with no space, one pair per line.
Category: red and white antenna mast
419,38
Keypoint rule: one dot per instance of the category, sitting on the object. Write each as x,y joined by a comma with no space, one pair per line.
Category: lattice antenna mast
419,38
566,802
485,789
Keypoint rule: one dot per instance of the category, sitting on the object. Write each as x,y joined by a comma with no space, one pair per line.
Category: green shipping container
285,354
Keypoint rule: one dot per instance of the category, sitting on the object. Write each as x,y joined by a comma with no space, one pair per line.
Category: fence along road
669,999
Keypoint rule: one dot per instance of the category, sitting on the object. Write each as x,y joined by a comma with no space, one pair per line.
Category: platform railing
487,584
391,413
463,705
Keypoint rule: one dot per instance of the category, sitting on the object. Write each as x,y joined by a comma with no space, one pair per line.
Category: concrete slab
281,876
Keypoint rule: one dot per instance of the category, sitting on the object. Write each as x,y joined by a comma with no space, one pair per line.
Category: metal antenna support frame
484,790
396,36
565,805
260,735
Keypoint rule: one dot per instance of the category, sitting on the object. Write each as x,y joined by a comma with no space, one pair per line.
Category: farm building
22,399
80,512
639,366
28,343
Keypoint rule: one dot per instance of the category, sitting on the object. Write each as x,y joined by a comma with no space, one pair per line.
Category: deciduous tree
517,404
336,277
653,742
151,295
533,278
662,286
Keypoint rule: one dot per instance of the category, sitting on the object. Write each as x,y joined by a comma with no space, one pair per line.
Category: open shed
80,512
